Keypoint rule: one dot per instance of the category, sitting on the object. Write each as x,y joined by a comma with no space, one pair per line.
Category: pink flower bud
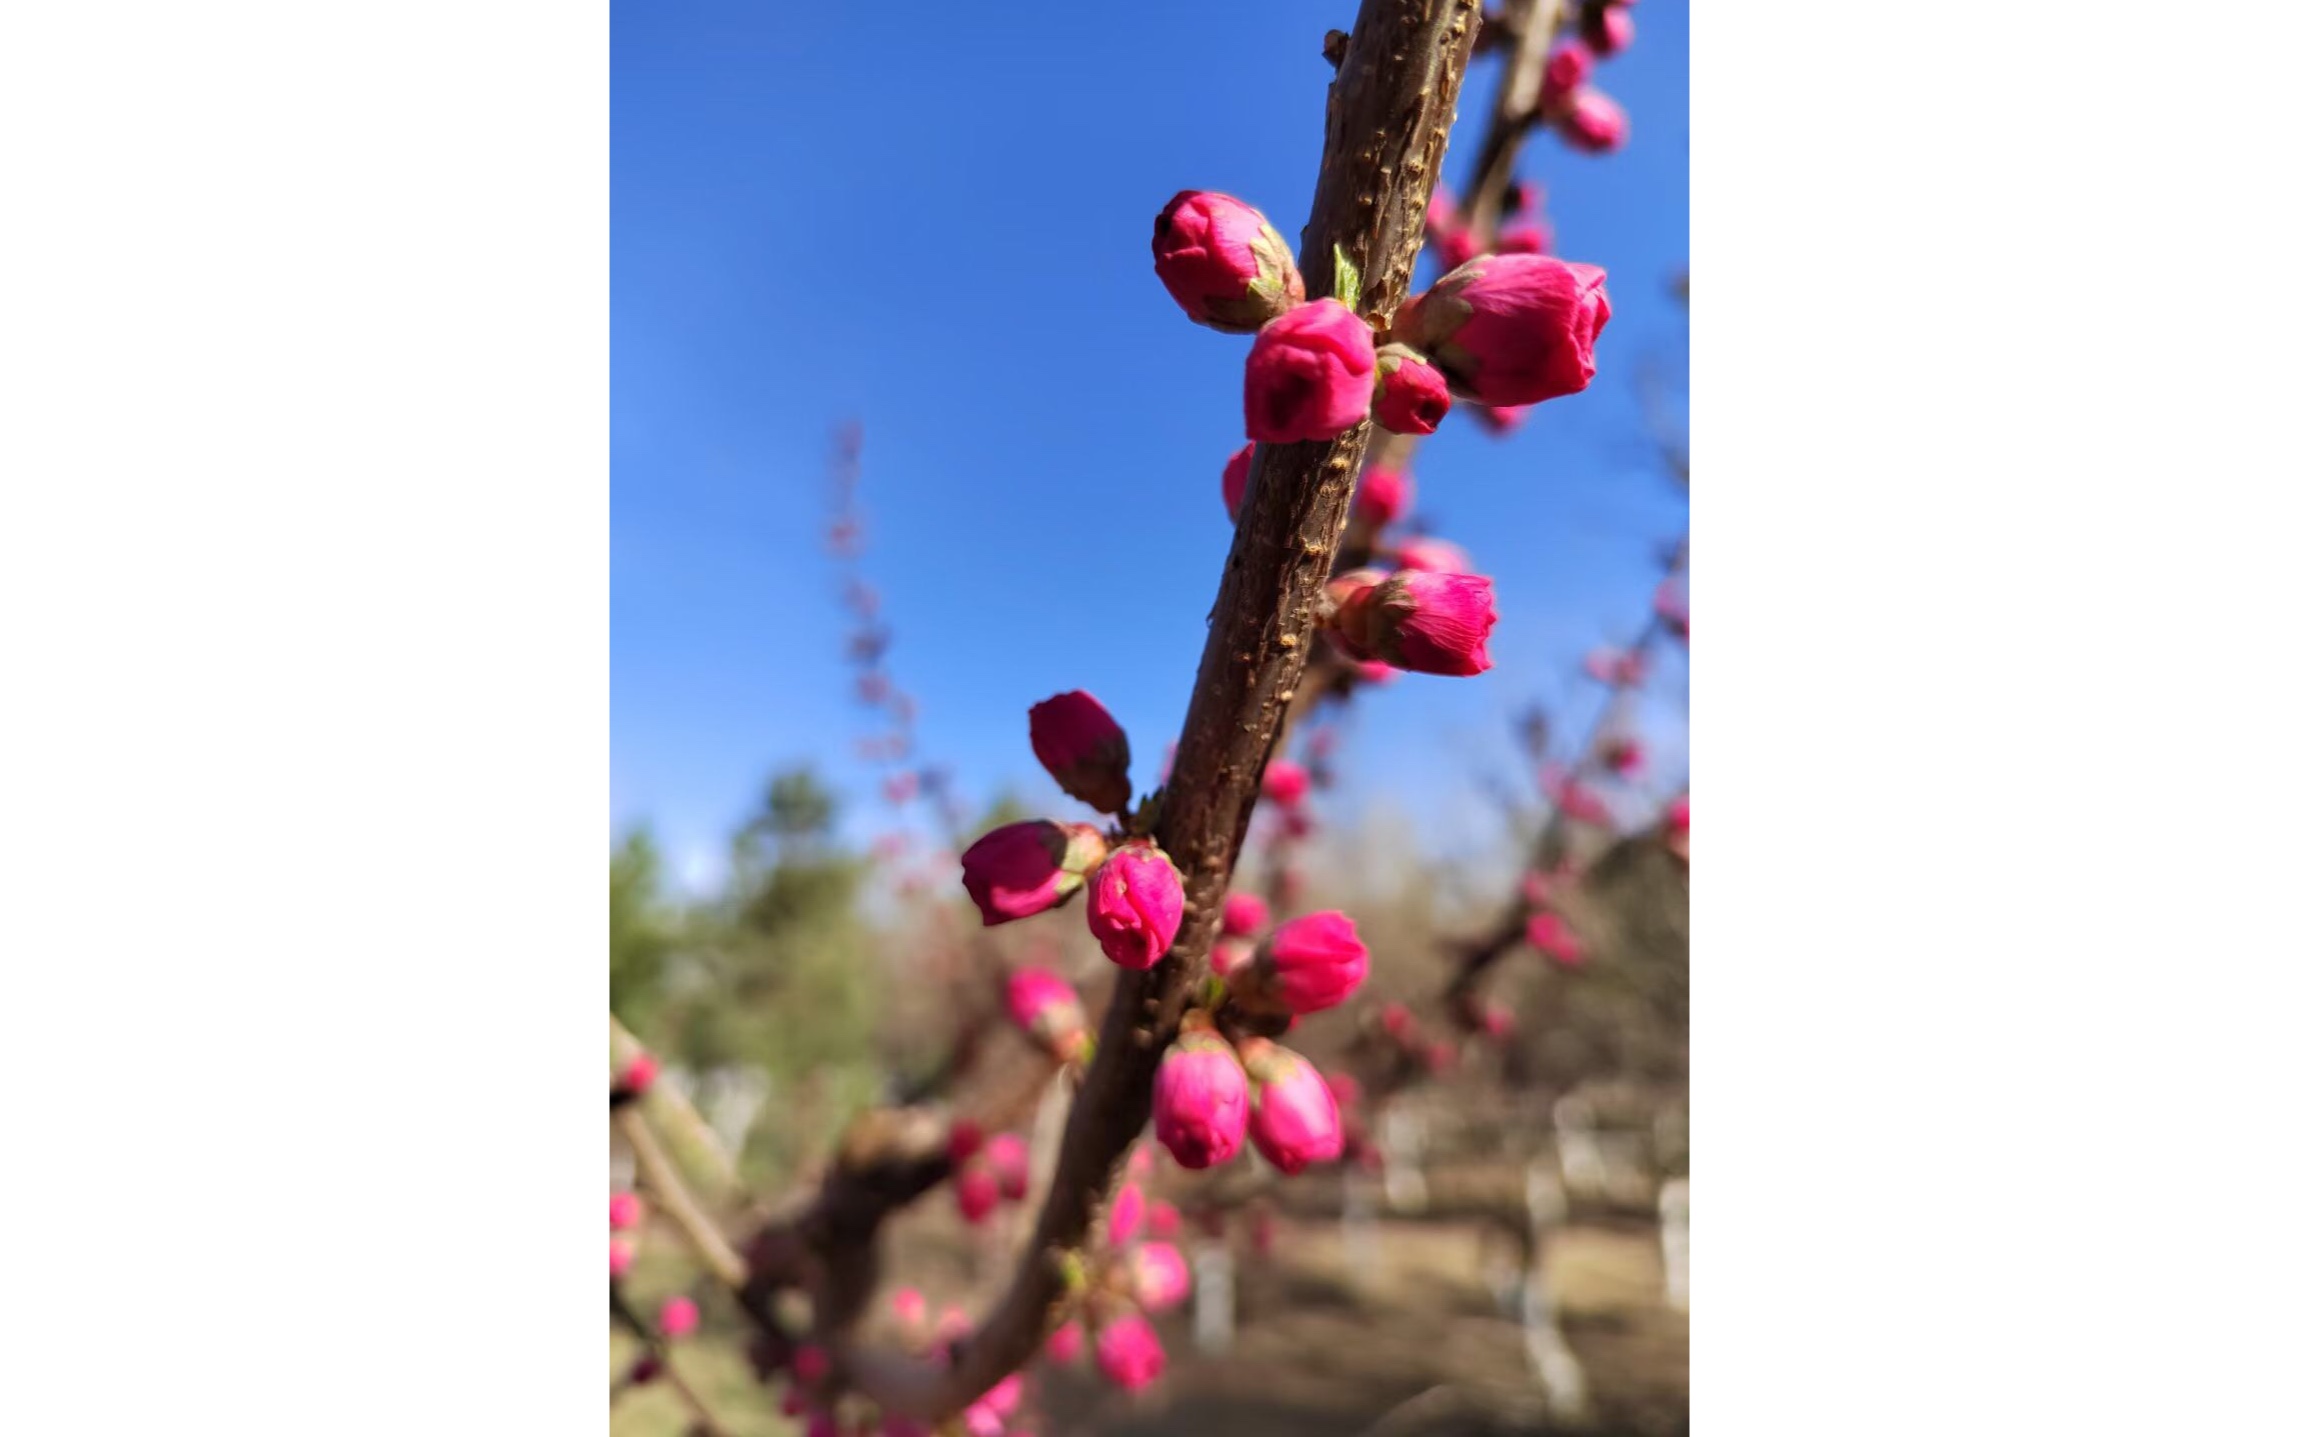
909,1306
1136,905
1309,375
1497,1021
679,1316
1608,30
1066,1342
822,1423
1549,933
965,1139
1625,756
1590,120
1125,1214
638,1074
1005,1398
1346,1093
646,1369
1223,263
1284,782
1456,248
1242,914
1140,1161
1047,1009
625,1210
1384,495
1432,556
1673,607
1228,956
1569,66
1503,420
1511,329
1307,966
1025,868
1164,1219
1423,623
1199,1100
809,1364
620,1251
1530,237
1008,1159
1233,477
1129,1353
1157,1275
1409,395
1373,671
1442,213
1083,748
977,1190
1296,1122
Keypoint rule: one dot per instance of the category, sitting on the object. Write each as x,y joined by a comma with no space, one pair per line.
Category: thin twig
660,1177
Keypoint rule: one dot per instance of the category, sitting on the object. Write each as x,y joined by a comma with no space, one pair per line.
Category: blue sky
935,220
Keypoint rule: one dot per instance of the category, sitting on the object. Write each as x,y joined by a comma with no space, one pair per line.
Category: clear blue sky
935,219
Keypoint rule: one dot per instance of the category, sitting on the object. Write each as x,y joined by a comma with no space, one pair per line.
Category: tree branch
1388,114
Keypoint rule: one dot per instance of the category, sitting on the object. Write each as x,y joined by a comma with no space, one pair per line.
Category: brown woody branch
1388,113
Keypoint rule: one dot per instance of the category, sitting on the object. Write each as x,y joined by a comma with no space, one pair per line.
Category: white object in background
730,1100
1676,1241
1401,1180
1577,1149
1214,1303
1545,1200
1622,1158
622,1169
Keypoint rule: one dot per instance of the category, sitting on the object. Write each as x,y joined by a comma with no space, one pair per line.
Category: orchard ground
1415,1338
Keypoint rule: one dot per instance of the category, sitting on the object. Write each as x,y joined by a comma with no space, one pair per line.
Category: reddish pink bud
1409,395
809,1364
1199,1100
679,1316
1590,120
1223,263
1242,913
1625,756
1617,667
1233,477
1228,956
1676,824
1125,1214
1511,329
822,1424
625,1210
965,1139
1422,622
1136,905
620,1251
1455,248
638,1074
1140,1160
1345,1090
1432,556
1025,868
1083,748
646,1369
1373,671
1164,1219
952,1326
1384,495
1552,936
909,1306
1397,1021
1008,1159
1309,375
1441,1056
1284,782
1540,889
1308,965
1157,1275
1496,1021
1530,237
1296,1121
1569,65
793,1402
1047,1009
1066,1342
1608,30
1503,420
1674,608
977,1191
1129,1353
1004,1399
